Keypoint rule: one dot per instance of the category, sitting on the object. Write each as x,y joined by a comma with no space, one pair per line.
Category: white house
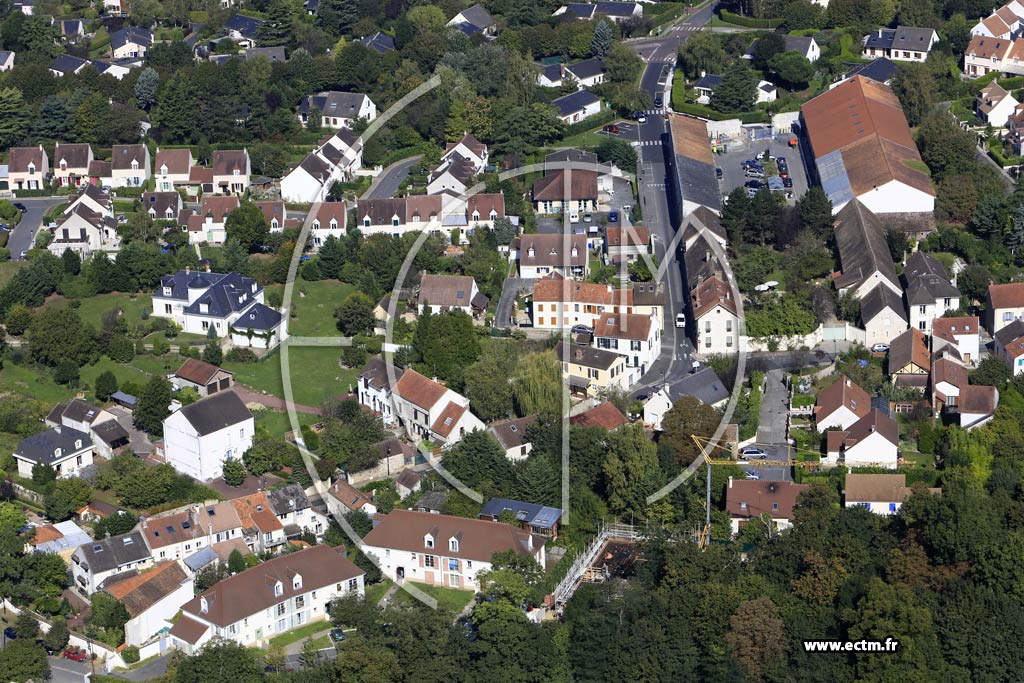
451,293
871,441
131,41
171,168
130,165
266,600
338,109
806,46
338,158
511,434
330,221
995,105
903,43
542,255
209,225
6,60
977,405
179,534
963,333
883,316
295,512
231,171
274,213
152,597
443,550
473,20
840,405
626,244
262,531
102,427
715,317
617,11
637,337
586,73
559,304
84,232
458,165
198,300
200,437
65,449
71,163
577,106
92,564
374,389
162,206
882,494
655,408
929,293
431,411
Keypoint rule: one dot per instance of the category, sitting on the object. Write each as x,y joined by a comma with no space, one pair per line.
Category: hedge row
748,22
590,123
706,112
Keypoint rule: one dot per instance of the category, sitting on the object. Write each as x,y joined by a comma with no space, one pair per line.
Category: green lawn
376,591
451,599
8,269
276,422
300,633
92,309
314,304
28,381
315,373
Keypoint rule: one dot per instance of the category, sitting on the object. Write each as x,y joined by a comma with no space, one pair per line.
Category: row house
209,225
1003,22
232,171
295,511
179,534
929,293
374,389
27,168
1009,343
460,163
130,165
985,55
92,564
274,213
262,531
637,337
715,317
338,157
162,206
330,220
439,213
568,191
559,303
443,550
152,599
1005,303
275,596
962,333
590,371
995,105
71,163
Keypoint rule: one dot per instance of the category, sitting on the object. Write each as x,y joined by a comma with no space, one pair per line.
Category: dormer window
63,165
494,214
163,169
453,545
316,224
204,308
167,291
57,452
297,581
78,443
135,165
476,215
428,541
204,606
530,252
236,172
394,221
31,168
278,589
334,224
366,221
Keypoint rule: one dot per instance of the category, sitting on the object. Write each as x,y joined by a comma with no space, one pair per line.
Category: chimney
730,482
145,522
703,73
187,270
57,428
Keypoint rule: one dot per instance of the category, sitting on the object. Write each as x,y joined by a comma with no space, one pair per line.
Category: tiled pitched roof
447,290
226,162
710,293
909,347
552,250
417,389
1007,296
863,251
950,328
605,415
142,590
122,157
255,513
753,498
198,371
843,392
582,185
623,326
448,418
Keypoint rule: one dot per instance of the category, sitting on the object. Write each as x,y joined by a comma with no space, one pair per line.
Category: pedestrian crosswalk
647,143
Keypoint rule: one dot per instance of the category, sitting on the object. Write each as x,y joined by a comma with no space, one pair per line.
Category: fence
108,657
834,332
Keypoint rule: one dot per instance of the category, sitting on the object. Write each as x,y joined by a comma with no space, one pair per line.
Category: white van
574,216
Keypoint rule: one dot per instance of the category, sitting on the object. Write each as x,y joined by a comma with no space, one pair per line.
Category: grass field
314,311
92,309
8,269
376,591
450,599
301,633
28,381
315,373
276,422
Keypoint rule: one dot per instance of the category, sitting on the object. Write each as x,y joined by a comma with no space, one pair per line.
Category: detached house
130,165
637,337
200,437
243,29
626,244
275,596
995,105
209,224
430,411
71,163
131,41
882,494
330,221
511,434
903,43
543,255
337,158
65,449
205,378
750,499
443,550
179,535
930,294
473,20
6,60
840,405
86,226
909,360
615,10
871,441
338,109
171,168
93,563
577,106
883,315
231,171
27,168
107,435
451,293
1005,304
715,317
1009,343
586,73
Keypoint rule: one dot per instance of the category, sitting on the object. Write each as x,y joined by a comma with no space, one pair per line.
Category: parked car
574,217
753,173
680,320
880,348
587,217
787,181
752,163
20,207
718,173
755,184
10,633
639,116
766,155
613,216
751,475
337,635
581,329
24,254
611,128
753,453
658,100
76,653
781,161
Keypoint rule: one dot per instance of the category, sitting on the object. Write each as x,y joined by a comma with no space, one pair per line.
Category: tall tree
14,117
153,405
603,38
247,226
701,53
175,110
757,637
631,472
737,90
537,384
146,88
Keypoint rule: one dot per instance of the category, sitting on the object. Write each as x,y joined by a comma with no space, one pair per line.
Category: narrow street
773,427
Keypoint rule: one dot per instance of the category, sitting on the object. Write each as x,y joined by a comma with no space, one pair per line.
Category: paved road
386,184
24,234
68,671
664,47
509,291
772,430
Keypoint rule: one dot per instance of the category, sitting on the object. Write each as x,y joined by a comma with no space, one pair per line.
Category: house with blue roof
532,517
577,106
229,304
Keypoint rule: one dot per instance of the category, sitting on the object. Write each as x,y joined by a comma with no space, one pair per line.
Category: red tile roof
843,392
449,417
416,388
710,293
198,372
632,326
606,416
753,498
1007,296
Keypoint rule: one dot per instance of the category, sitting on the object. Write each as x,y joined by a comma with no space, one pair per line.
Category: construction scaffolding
583,569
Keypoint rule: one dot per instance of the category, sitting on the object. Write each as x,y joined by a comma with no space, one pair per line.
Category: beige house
883,316
1005,304
559,303
130,165
550,194
27,168
716,328
543,255
590,370
171,168
71,163
231,171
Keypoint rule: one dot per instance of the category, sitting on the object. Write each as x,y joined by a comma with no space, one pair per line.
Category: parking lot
732,170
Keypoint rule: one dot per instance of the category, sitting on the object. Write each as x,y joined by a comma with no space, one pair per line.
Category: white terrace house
93,563
273,597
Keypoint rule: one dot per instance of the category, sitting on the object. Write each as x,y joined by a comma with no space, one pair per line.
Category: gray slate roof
287,499
131,34
880,70
216,412
708,81
116,551
259,318
703,385
540,516
333,103
877,300
243,25
577,101
477,17
587,68
927,280
68,64
41,448
381,42
863,250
